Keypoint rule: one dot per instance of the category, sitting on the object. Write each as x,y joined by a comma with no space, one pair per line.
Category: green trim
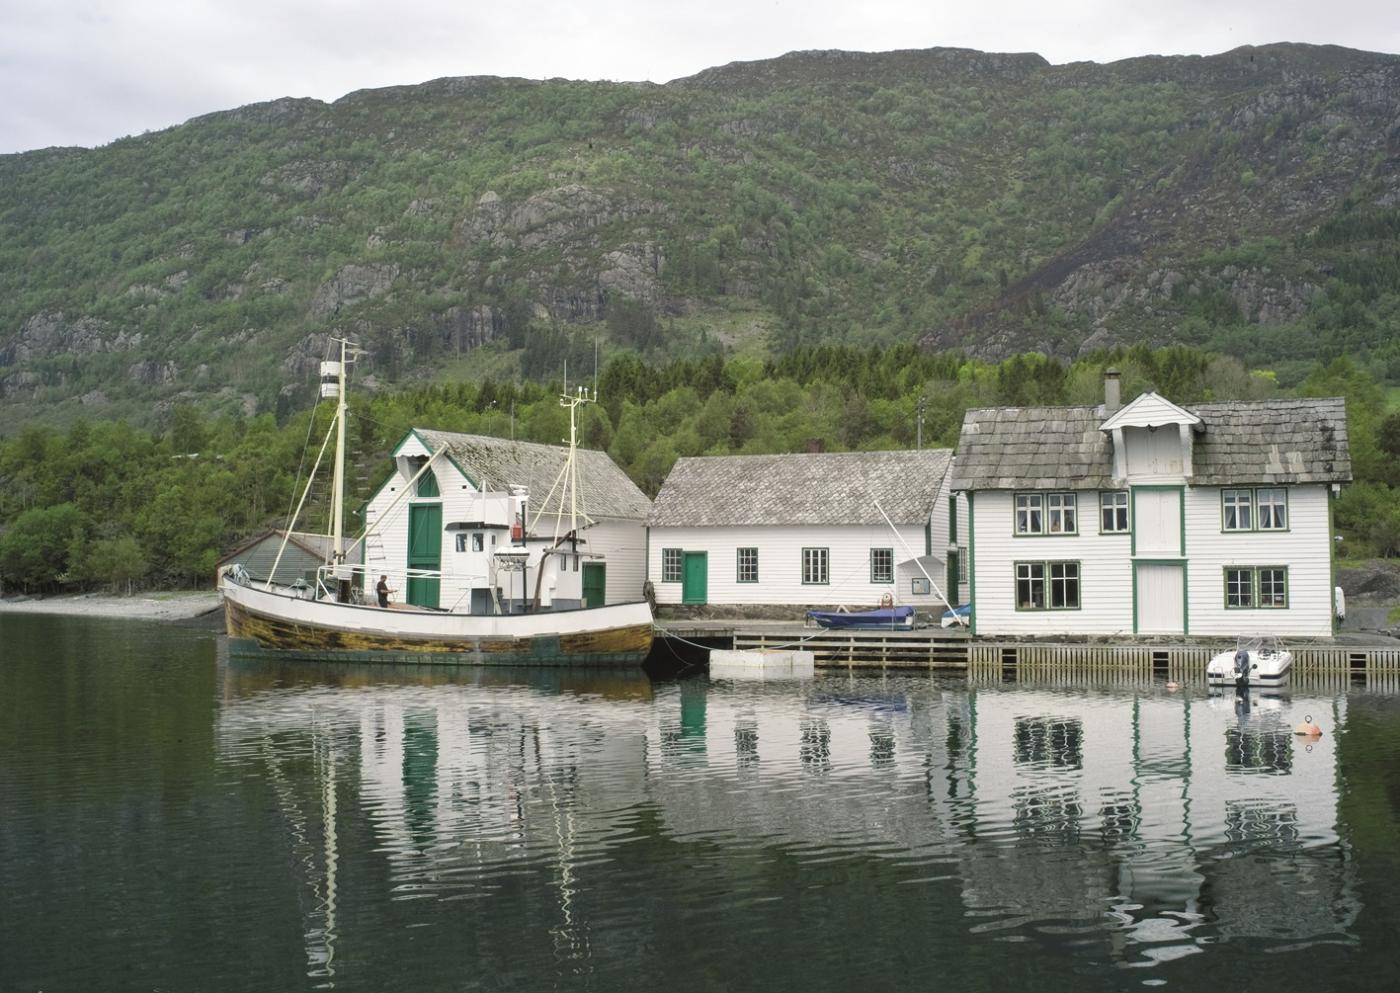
952,521
680,562
1254,587
1045,578
1176,488
1331,555
928,537
1185,587
413,433
1254,527
1127,531
881,582
826,559
738,564
951,578
1045,514
971,568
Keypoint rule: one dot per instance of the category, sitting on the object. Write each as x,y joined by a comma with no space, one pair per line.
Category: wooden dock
939,648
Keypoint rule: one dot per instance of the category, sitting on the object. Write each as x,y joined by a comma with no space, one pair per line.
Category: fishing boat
1260,661
525,604
898,618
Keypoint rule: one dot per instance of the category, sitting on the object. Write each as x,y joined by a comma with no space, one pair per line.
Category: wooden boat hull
262,622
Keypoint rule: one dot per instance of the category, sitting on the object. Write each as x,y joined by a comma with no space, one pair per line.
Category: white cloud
88,71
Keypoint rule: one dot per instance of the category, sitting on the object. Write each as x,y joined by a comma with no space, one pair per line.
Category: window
461,541
1239,510
814,566
882,565
1262,509
748,565
1273,508
478,541
920,586
962,563
1113,512
670,565
1256,586
1047,585
1047,513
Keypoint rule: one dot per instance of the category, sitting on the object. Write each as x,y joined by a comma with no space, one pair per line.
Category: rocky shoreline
182,605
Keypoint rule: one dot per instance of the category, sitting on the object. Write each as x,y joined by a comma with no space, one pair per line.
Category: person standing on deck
383,590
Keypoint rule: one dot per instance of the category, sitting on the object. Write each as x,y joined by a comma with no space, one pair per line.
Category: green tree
41,545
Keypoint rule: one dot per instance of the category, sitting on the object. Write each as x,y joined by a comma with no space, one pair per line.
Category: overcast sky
84,72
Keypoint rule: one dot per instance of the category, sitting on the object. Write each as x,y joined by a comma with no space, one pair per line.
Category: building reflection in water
1129,814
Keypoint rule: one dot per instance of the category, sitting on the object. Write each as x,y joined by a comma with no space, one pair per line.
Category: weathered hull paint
255,632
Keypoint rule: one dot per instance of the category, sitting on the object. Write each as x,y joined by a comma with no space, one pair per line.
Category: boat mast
338,486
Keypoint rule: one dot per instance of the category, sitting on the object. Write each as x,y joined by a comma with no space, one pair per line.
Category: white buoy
762,664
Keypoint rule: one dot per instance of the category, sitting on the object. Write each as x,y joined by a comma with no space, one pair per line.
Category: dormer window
428,485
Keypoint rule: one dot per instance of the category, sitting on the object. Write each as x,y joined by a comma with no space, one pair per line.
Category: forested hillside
105,503
1247,203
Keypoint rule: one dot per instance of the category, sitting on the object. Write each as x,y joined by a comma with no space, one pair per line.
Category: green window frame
1048,585
1054,514
746,565
816,567
671,564
1113,512
882,565
1260,508
1256,587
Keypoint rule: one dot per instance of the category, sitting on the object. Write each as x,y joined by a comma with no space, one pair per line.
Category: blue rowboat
887,617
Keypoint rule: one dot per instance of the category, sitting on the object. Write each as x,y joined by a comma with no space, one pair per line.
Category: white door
1161,599
1157,523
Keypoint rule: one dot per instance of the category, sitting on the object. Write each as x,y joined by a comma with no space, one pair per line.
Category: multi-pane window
962,563
1262,509
1256,586
1113,512
748,565
882,565
1272,504
814,566
1047,585
1238,510
1047,513
671,565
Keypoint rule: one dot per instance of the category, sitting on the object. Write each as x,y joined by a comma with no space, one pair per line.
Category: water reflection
1130,826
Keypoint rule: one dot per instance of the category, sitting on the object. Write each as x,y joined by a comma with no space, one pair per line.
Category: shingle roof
1004,448
1272,441
830,488
604,489
1258,441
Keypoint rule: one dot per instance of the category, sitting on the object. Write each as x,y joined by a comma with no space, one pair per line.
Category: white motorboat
1260,661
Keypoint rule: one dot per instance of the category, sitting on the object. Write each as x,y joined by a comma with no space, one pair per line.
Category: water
173,821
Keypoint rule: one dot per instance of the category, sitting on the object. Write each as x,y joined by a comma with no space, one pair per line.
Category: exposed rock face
634,270
153,372
548,217
48,334
1266,299
351,285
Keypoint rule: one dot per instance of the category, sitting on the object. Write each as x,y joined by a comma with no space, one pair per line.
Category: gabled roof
1006,448
1272,441
1238,442
316,545
829,488
497,463
1150,410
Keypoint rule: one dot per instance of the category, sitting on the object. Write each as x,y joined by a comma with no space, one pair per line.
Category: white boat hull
1265,668
275,621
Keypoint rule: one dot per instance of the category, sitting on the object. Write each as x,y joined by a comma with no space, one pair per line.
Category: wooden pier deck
939,648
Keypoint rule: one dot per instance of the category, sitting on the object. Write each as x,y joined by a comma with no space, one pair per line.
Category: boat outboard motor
1242,668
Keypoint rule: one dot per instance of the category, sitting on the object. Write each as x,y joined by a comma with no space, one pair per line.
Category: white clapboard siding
1105,579
780,564
623,543
1305,548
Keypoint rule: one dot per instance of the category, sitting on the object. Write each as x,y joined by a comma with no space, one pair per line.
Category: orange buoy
1308,729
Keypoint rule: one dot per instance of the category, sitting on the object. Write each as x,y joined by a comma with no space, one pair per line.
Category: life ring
886,602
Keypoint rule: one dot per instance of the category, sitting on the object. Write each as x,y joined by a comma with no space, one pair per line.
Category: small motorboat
885,617
1260,661
959,616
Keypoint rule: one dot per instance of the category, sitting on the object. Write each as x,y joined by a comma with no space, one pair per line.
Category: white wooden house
456,503
1153,519
806,530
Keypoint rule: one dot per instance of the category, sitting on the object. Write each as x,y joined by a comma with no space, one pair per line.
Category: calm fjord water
170,820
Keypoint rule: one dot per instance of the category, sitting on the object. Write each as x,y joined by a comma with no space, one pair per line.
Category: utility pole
922,407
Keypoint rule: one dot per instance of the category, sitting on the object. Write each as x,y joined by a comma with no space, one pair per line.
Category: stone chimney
1112,392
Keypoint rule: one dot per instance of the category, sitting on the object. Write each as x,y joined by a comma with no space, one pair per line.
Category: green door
595,583
695,577
424,551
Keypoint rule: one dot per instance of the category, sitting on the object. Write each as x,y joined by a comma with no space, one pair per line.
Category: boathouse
302,556
441,509
1212,519
807,530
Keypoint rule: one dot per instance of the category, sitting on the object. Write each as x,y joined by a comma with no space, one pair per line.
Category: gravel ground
177,606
